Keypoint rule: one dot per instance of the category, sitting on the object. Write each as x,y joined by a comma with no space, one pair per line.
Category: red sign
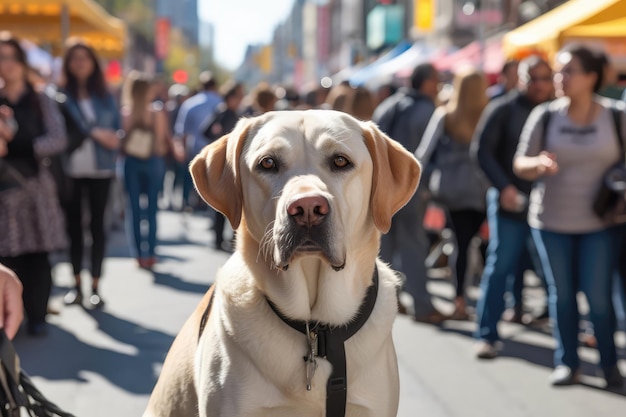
180,76
113,72
162,37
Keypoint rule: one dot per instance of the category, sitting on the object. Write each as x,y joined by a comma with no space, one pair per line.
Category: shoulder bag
610,201
455,181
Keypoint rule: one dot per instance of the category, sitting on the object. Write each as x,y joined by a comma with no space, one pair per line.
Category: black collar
330,346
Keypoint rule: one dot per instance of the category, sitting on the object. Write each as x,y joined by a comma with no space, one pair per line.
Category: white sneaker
564,375
486,350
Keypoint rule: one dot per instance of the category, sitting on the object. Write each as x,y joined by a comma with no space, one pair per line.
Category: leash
328,342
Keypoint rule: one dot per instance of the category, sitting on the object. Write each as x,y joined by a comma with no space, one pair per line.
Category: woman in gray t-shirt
568,159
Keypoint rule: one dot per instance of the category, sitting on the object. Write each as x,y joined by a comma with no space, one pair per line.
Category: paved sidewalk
105,363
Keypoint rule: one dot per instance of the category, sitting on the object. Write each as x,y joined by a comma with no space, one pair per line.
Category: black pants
219,221
96,191
34,271
466,224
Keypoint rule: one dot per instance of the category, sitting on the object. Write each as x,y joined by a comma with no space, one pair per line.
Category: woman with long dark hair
31,221
565,148
92,165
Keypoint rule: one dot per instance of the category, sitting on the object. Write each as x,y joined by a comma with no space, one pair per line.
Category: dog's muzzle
307,231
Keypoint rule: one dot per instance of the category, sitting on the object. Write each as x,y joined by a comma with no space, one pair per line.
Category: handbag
18,394
610,201
454,180
139,143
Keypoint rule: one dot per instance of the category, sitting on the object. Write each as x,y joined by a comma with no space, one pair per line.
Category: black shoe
613,377
95,300
74,296
37,329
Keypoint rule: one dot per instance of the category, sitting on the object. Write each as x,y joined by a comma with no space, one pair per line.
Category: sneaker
564,375
486,350
95,300
434,317
613,377
74,296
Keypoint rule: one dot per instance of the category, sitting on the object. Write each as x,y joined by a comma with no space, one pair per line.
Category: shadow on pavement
538,355
174,282
62,356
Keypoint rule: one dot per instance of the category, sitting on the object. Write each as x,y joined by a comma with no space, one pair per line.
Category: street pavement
96,363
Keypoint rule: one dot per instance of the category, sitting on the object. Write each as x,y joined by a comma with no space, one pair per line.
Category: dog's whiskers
265,246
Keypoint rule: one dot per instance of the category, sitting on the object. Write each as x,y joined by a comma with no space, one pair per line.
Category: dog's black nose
308,211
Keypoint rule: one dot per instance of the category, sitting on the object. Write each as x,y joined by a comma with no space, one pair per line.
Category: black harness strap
207,310
331,347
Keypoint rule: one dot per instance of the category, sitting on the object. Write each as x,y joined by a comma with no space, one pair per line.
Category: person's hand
4,149
11,305
178,151
106,137
509,200
7,124
547,164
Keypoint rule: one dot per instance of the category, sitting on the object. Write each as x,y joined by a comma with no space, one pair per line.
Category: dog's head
308,183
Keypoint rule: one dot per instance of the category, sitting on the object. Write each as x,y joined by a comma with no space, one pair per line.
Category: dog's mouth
299,242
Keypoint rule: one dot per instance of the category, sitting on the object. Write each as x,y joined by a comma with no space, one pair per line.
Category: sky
239,23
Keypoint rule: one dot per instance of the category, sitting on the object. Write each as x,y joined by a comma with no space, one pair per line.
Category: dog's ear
215,173
395,177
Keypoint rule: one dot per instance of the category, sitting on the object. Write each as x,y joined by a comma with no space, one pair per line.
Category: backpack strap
617,109
545,122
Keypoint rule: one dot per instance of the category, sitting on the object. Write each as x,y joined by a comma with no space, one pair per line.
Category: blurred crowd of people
516,163
528,156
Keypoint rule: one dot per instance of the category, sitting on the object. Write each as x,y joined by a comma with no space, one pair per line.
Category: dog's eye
340,161
268,163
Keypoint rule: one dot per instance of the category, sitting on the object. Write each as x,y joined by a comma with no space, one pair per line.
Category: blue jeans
508,240
143,177
573,262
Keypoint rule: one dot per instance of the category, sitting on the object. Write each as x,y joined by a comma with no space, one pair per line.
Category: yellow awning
49,22
574,19
613,29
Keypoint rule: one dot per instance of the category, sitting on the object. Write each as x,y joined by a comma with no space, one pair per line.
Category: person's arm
431,136
163,134
531,162
54,140
427,109
384,114
109,137
180,132
11,305
491,129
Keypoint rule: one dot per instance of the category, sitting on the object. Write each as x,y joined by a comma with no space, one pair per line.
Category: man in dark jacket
404,117
495,143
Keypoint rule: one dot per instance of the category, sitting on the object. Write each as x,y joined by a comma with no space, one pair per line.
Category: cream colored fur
247,361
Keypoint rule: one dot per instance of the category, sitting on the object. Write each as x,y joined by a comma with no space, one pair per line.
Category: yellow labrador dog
301,314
